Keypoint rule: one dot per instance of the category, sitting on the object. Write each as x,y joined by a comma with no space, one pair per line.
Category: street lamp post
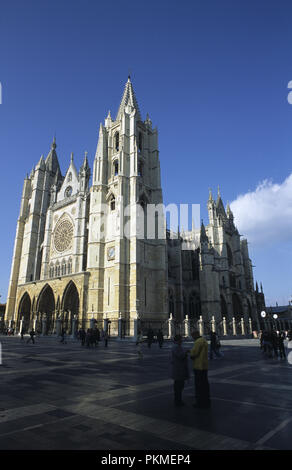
275,316
263,315
269,316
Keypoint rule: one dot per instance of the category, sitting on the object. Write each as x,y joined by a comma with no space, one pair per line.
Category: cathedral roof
128,98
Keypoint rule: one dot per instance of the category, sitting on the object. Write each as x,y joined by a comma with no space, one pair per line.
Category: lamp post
275,316
263,315
269,316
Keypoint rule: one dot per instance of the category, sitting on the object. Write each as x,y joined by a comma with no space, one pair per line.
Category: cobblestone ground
63,396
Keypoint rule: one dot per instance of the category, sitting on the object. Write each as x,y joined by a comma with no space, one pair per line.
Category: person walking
22,333
150,336
82,336
105,337
199,356
63,337
281,346
179,369
88,338
267,344
97,336
139,345
214,345
31,336
160,338
274,341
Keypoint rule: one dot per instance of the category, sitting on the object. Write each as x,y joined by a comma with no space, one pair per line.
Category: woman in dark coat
179,369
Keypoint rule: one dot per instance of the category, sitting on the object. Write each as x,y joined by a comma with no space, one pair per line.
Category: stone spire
229,212
203,235
41,164
220,205
85,161
52,163
84,174
128,98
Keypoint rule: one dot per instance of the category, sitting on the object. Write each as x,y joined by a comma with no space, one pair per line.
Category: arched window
237,306
185,304
140,169
195,306
229,255
224,310
195,266
171,303
51,274
232,280
116,167
140,141
63,268
117,141
69,178
113,203
57,269
70,266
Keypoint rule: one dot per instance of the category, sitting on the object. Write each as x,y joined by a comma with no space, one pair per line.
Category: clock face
111,253
63,235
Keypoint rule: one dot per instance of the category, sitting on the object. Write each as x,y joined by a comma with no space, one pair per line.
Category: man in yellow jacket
199,356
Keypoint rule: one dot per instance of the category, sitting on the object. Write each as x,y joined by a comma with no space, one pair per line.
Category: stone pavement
62,396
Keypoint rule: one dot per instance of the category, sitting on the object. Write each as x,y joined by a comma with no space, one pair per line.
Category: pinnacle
54,145
128,98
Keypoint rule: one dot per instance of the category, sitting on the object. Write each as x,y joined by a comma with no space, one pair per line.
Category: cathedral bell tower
128,270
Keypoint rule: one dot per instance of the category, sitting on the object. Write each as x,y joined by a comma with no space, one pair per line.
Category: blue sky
213,76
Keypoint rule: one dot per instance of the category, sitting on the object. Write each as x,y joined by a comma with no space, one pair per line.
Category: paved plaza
64,396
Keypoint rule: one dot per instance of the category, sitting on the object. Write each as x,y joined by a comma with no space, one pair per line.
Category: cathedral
82,257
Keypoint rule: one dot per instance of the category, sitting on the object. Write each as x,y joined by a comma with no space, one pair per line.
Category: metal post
187,331
234,326
213,324
20,325
201,325
120,331
170,327
242,326
224,327
250,326
136,326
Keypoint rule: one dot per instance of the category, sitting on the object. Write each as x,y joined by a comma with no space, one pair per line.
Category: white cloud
265,214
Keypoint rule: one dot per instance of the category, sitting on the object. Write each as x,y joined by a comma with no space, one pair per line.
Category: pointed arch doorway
237,311
24,312
70,306
46,310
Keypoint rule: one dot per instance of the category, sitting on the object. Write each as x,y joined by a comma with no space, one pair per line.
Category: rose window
63,235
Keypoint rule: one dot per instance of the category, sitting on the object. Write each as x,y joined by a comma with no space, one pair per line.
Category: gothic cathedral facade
72,261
